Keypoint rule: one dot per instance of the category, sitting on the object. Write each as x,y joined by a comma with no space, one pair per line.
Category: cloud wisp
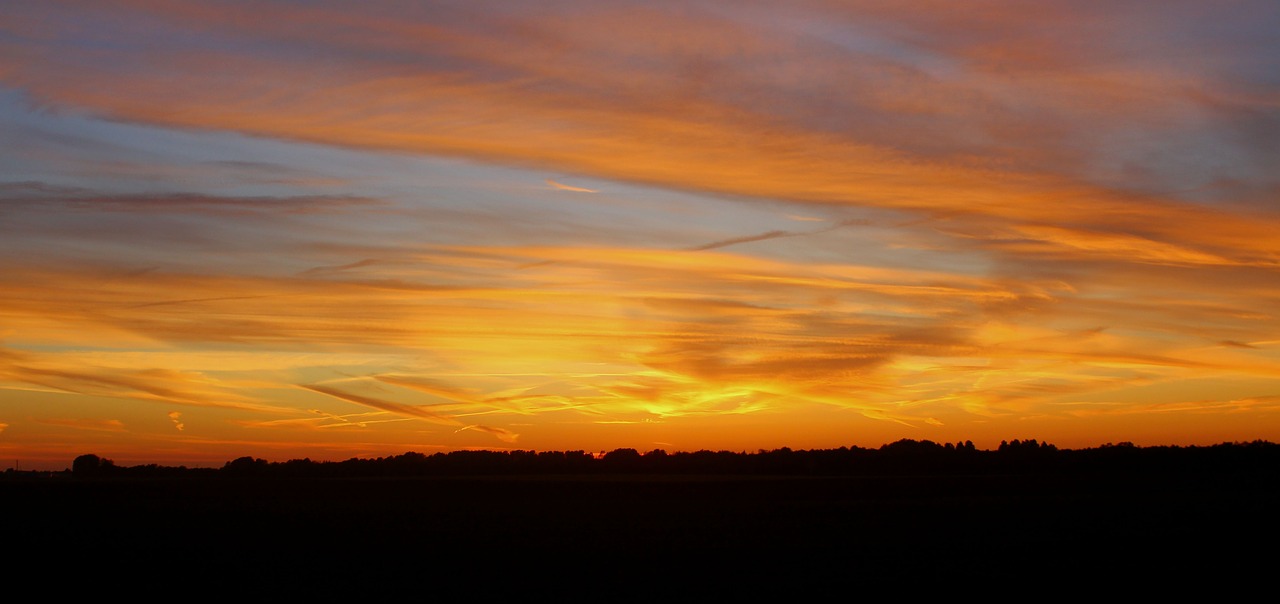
421,412
571,188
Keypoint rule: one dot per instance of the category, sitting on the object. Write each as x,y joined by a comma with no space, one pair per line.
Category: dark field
646,537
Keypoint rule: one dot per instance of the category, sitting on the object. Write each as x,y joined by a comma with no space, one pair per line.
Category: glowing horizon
284,231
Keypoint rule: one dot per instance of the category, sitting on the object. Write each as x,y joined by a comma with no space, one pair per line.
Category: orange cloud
564,187
109,425
415,411
153,384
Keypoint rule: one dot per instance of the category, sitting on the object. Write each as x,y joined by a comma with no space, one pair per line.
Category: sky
326,230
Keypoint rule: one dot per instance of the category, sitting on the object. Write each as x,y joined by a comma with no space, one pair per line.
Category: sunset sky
331,229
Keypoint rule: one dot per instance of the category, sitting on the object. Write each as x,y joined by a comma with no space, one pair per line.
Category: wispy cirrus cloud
30,193
422,412
158,384
415,411
933,216
96,425
943,104
564,187
502,434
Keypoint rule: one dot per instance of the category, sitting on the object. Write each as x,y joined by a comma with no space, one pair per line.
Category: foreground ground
648,537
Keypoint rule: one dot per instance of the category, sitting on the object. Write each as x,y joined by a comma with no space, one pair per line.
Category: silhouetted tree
91,465
246,466
622,460
905,457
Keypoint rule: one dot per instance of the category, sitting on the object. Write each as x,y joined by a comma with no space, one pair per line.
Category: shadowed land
1112,516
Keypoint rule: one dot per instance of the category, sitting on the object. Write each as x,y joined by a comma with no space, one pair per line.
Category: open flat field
655,534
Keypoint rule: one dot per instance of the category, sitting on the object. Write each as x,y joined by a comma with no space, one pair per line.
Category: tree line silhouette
894,515
903,457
